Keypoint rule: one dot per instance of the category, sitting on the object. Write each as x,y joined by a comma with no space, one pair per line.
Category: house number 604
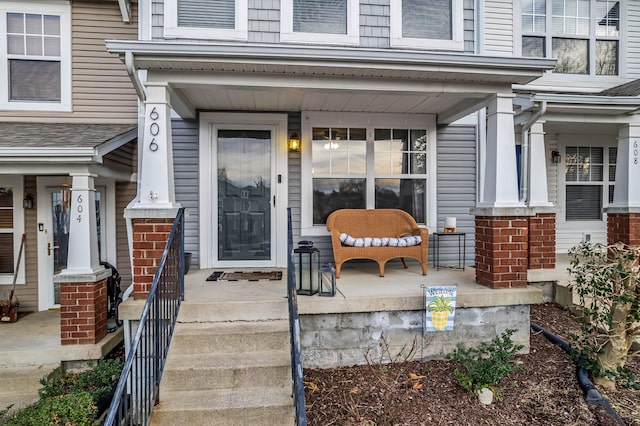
154,129
80,208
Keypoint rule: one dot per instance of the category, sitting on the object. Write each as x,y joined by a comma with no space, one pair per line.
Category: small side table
462,240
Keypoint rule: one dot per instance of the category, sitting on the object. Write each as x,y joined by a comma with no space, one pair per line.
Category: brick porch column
83,308
623,227
542,241
502,251
149,239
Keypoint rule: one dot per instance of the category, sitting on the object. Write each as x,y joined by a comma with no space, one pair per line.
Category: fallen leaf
414,376
354,390
417,386
312,386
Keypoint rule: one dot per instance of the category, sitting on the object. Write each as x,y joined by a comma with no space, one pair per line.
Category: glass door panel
244,195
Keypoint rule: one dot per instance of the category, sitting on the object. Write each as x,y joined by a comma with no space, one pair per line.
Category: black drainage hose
591,394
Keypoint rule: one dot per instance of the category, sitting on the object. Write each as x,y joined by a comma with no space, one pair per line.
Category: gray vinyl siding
456,164
264,22
498,34
101,90
185,168
633,39
125,192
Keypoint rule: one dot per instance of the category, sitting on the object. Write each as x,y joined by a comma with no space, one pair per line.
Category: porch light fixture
27,203
307,265
556,157
294,142
327,280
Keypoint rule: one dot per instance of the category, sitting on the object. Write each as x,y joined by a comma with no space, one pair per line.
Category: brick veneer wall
83,312
149,240
542,241
502,252
623,227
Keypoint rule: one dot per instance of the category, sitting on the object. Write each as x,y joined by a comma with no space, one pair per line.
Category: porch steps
228,364
19,385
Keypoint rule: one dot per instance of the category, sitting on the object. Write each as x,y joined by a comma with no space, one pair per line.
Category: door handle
50,247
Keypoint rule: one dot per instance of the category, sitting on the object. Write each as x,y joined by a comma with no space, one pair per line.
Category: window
210,19
583,35
35,64
320,21
371,164
428,24
11,228
587,185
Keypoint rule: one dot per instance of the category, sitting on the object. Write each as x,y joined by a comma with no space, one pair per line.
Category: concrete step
19,385
230,337
222,371
256,406
233,311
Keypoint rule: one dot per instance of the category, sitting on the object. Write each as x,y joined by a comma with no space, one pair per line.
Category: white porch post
501,177
156,190
627,190
83,229
538,191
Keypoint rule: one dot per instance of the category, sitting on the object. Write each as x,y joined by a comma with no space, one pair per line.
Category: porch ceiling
234,76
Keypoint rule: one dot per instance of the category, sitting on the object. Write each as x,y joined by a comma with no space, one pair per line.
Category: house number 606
635,152
80,208
154,129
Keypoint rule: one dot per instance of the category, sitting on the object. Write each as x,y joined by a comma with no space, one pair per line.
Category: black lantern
307,264
327,280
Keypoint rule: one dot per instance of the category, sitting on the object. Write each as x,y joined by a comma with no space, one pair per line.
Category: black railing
137,390
294,333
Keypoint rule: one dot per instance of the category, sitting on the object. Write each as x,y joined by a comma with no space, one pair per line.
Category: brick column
149,240
502,251
623,227
542,241
83,312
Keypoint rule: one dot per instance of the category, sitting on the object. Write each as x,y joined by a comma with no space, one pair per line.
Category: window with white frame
320,21
428,24
589,185
36,65
371,164
206,19
583,35
11,227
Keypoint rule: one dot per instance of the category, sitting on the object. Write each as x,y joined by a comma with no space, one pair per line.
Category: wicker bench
377,224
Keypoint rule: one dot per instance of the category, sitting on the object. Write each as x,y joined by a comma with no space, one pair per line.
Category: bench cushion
405,241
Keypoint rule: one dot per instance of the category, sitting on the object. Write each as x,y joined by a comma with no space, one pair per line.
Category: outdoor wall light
556,157
294,142
307,265
27,203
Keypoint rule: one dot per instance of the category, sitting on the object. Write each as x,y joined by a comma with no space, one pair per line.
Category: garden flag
440,307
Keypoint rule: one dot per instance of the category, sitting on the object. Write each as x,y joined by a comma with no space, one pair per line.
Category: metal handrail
137,390
294,333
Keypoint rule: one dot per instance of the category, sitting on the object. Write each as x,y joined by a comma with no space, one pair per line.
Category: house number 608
154,129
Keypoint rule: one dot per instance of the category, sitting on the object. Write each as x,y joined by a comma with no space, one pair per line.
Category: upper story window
427,24
320,21
36,66
583,35
206,19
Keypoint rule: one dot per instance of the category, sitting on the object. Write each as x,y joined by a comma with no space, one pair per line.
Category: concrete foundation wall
330,340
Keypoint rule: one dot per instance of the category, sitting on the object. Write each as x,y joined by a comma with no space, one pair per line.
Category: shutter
218,14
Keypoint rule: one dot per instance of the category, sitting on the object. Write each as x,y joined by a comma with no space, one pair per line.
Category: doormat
245,276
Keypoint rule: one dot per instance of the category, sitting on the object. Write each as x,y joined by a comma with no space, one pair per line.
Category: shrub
97,381
487,364
77,410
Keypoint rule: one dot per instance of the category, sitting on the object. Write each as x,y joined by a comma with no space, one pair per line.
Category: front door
245,198
54,215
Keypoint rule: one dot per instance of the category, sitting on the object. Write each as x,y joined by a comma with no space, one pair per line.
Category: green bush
97,381
487,364
77,410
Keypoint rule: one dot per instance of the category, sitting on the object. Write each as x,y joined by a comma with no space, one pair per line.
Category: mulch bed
544,392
